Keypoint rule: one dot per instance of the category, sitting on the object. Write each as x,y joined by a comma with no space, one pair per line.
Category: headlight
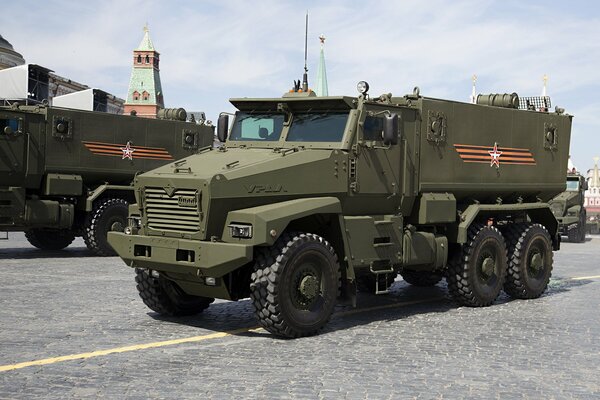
134,223
557,209
240,231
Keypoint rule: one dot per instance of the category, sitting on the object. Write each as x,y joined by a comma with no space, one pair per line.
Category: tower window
147,60
139,59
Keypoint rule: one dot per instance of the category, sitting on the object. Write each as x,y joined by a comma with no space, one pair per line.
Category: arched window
145,95
139,59
136,95
147,59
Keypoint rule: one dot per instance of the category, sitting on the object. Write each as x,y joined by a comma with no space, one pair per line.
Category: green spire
321,88
146,43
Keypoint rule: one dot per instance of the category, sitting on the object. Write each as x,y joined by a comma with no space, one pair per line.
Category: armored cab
569,210
66,172
310,199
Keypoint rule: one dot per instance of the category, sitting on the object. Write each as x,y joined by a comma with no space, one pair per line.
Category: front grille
179,212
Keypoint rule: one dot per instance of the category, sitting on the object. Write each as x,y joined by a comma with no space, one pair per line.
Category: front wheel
295,285
166,297
109,214
50,239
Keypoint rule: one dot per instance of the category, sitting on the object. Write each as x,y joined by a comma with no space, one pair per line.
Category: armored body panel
98,147
486,153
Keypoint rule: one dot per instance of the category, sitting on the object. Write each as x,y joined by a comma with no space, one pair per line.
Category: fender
269,221
125,192
537,212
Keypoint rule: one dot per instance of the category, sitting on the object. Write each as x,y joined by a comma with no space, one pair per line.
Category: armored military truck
311,197
569,210
67,173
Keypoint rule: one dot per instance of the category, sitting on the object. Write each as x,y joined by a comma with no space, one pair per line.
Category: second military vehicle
67,173
569,210
312,197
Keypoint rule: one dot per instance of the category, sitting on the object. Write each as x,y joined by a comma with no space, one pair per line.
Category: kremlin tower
145,97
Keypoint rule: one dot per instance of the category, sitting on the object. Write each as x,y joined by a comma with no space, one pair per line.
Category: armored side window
373,128
8,126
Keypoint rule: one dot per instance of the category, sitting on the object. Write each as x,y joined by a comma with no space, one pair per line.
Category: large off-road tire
421,278
109,214
50,239
165,297
476,273
366,283
295,284
529,260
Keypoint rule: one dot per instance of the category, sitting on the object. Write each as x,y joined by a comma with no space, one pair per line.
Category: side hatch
13,148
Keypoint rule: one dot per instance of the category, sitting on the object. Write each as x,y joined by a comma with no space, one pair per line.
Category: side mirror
222,127
585,185
8,130
390,129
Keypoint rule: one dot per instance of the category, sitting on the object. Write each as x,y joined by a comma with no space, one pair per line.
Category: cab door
376,164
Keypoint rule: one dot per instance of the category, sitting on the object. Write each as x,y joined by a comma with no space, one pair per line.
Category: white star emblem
127,151
495,156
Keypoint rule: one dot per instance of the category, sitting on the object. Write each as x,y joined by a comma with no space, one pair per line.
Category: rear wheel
529,261
476,273
166,297
109,214
295,285
421,278
50,239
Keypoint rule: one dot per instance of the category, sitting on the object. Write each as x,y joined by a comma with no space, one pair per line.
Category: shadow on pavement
402,302
20,253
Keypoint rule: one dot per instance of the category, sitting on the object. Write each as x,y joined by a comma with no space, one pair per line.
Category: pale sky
214,50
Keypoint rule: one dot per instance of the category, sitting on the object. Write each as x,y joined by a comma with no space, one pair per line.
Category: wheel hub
487,267
537,262
309,287
116,226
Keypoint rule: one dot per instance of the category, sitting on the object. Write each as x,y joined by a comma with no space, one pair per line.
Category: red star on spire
495,154
127,151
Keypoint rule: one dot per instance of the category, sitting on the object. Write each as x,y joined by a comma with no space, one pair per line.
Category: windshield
573,186
256,127
317,127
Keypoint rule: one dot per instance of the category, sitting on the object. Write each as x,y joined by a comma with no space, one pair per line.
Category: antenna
305,76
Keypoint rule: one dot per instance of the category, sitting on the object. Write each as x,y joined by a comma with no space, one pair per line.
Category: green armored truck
67,173
569,210
312,198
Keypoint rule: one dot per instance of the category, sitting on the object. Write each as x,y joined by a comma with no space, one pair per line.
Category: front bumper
181,256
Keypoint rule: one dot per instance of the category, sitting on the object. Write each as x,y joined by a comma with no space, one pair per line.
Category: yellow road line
83,356
581,278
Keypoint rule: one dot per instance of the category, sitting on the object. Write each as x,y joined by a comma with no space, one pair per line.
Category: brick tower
145,95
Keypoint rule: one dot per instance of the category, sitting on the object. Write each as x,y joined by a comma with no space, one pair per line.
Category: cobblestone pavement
412,343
